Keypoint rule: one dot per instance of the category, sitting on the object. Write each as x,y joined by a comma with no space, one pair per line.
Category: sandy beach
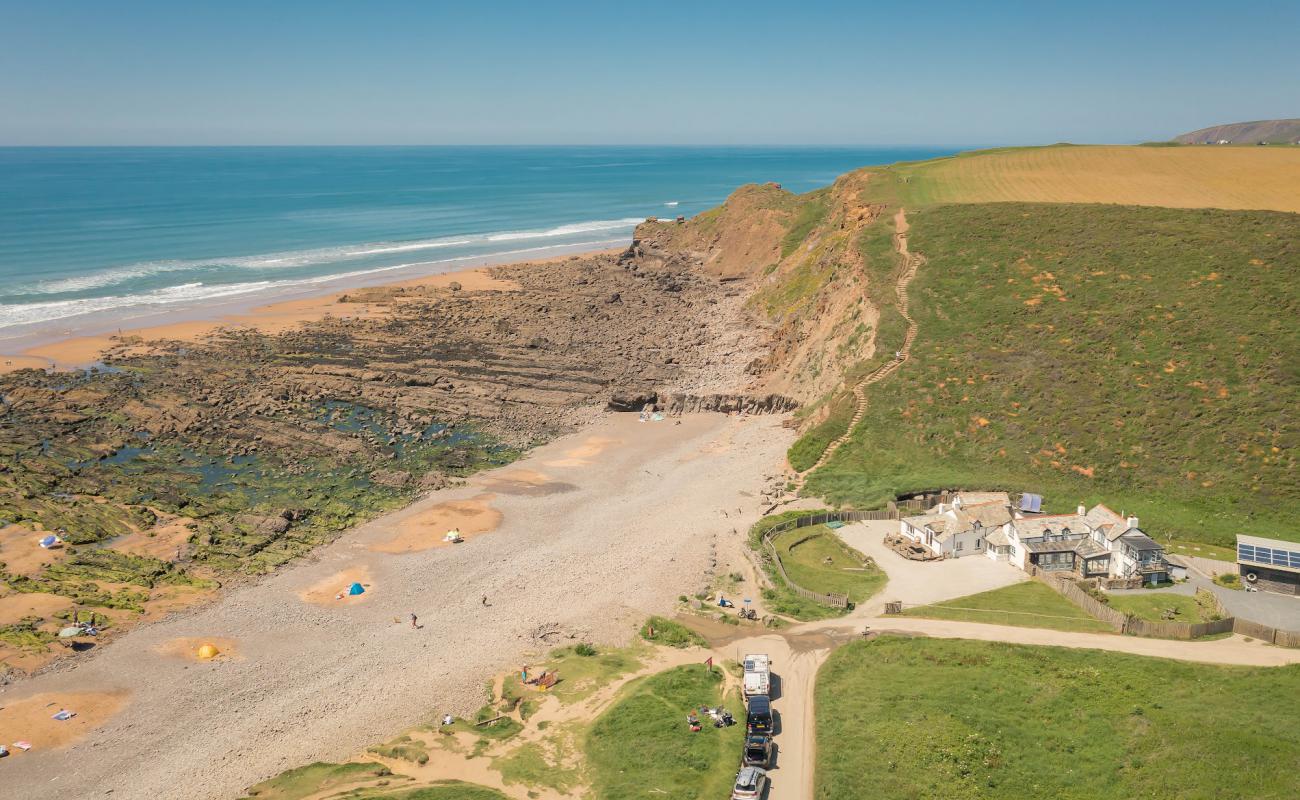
636,519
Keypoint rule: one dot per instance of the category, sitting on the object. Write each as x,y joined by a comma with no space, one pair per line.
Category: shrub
664,631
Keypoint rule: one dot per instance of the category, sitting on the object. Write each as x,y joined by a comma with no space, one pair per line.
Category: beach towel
24,746
356,589
65,715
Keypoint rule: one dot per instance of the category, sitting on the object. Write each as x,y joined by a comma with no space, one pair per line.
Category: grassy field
816,559
1141,357
1153,605
1175,177
958,720
640,747
1202,550
1026,605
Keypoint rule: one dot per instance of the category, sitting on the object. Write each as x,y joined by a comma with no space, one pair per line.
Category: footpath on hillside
911,263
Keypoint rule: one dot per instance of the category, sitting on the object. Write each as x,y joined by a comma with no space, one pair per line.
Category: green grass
532,765
641,748
1161,384
670,633
318,777
1229,580
812,212
1027,605
780,599
936,719
581,676
1202,550
816,559
1151,606
810,446
442,790
404,748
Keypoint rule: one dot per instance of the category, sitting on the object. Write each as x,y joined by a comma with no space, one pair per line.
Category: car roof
749,775
759,702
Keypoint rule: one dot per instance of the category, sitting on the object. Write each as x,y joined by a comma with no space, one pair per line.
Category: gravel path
628,521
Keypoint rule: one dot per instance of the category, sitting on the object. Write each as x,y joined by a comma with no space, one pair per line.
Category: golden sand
427,529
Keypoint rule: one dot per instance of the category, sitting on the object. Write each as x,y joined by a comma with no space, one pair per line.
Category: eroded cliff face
818,269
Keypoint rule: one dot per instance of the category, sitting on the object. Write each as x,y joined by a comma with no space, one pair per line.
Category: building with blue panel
1269,564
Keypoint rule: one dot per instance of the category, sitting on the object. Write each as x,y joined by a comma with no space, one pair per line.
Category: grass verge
959,720
1026,605
660,630
1166,607
816,559
640,747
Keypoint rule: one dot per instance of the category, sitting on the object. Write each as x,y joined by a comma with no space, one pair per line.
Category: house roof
1099,515
989,515
1139,540
1041,526
982,498
998,538
1053,546
1087,548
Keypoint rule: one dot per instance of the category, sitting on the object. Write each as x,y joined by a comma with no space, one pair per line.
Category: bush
673,634
584,649
1229,580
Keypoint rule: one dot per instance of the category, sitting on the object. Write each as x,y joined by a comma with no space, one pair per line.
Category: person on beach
523,674
414,620
484,599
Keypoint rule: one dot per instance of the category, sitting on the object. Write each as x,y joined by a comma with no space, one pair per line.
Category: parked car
758,675
758,751
751,782
758,718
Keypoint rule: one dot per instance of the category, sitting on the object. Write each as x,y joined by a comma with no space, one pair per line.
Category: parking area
922,582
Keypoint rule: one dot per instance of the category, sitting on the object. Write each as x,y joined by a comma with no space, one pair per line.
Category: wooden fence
831,599
1123,623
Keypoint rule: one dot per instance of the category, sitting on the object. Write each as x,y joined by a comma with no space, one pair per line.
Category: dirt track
629,527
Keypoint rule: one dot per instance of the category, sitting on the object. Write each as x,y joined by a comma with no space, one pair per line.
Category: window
979,543
958,545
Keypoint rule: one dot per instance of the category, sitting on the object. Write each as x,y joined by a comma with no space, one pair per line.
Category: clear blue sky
353,72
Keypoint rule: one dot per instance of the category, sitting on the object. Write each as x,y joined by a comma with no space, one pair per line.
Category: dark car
759,717
758,751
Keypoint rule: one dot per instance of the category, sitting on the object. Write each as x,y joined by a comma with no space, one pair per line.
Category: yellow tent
208,651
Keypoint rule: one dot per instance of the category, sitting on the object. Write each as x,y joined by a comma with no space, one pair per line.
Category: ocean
97,238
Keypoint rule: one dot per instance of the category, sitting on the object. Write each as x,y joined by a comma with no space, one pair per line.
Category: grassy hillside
1269,131
1176,177
1049,722
1143,357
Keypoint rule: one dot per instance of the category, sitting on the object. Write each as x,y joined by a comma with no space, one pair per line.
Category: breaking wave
198,292
306,258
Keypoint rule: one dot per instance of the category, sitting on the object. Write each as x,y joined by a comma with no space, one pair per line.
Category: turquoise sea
94,238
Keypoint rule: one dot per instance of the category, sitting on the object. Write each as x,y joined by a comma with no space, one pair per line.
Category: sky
87,72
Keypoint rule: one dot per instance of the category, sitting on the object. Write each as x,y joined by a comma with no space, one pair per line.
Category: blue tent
356,588
49,541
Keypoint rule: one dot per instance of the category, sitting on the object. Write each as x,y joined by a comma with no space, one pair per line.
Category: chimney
1081,510
1132,522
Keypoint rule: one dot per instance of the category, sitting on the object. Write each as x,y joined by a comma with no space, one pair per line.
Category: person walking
414,620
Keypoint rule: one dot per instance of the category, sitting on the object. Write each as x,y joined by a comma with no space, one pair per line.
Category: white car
751,782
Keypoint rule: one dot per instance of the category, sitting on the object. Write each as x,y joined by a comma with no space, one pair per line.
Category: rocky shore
252,448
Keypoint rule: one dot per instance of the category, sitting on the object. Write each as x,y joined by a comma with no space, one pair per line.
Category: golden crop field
1263,178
